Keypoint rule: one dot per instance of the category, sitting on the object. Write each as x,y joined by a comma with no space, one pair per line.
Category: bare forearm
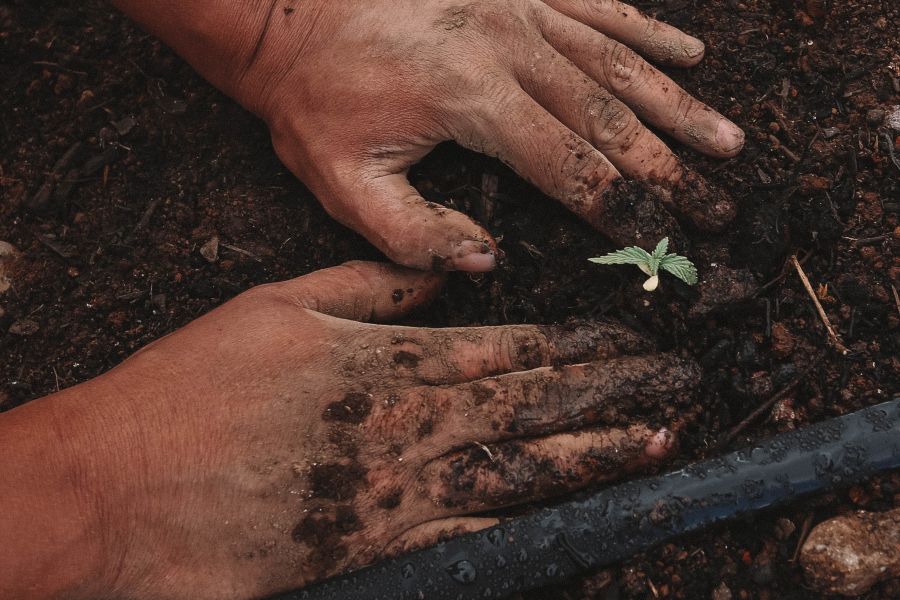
218,37
49,546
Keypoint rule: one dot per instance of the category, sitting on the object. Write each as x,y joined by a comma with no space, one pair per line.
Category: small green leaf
661,248
680,267
628,256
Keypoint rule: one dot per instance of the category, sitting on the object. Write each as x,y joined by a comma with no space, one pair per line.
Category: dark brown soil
118,164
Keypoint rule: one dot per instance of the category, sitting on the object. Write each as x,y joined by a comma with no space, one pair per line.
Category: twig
832,334
768,404
241,251
890,149
783,274
804,533
866,241
896,297
148,214
59,67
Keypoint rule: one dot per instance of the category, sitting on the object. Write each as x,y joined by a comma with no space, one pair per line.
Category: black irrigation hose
555,544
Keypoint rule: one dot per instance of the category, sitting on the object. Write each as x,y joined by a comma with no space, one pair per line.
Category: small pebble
784,528
7,253
848,555
210,250
24,327
874,117
893,119
124,126
723,592
783,342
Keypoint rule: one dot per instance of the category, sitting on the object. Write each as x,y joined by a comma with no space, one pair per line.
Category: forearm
69,465
50,548
218,37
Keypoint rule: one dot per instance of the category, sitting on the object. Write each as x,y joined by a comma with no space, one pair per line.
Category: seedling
650,264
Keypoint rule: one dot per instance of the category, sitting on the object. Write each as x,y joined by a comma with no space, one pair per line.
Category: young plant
651,264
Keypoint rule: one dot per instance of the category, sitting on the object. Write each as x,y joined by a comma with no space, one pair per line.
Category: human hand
355,93
277,441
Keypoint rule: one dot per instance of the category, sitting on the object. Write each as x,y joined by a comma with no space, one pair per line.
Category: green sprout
650,264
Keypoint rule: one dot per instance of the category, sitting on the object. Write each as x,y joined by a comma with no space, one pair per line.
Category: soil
119,165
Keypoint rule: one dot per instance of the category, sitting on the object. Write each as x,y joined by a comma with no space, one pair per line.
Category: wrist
227,41
52,546
217,37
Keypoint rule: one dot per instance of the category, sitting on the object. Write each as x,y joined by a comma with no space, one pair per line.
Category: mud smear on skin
514,471
637,213
354,408
323,533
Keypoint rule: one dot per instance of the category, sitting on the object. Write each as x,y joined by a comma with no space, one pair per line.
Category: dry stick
768,404
804,533
832,334
896,298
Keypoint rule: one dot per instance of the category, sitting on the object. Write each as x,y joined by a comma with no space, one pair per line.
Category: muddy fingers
655,40
446,356
427,421
654,96
486,477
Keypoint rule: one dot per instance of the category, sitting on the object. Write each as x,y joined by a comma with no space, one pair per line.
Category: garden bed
119,164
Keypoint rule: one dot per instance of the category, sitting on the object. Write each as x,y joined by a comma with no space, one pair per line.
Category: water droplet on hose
462,572
495,537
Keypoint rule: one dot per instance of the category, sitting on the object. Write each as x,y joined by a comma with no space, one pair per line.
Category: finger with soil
486,478
541,149
654,96
434,532
658,41
459,355
539,402
362,291
596,115
708,207
391,214
633,213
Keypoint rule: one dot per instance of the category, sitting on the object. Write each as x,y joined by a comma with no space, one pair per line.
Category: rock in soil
210,250
848,555
722,287
8,253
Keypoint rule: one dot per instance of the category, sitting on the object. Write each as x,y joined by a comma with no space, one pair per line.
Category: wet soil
119,165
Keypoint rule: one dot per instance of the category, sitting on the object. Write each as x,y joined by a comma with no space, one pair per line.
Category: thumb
392,215
363,291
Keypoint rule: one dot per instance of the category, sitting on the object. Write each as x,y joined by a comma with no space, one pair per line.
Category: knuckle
615,124
685,108
487,16
571,159
599,8
625,70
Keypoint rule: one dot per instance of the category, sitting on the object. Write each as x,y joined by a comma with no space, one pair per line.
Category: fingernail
660,444
475,257
729,136
693,47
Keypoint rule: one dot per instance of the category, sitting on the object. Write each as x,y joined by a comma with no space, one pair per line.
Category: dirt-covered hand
356,92
278,441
